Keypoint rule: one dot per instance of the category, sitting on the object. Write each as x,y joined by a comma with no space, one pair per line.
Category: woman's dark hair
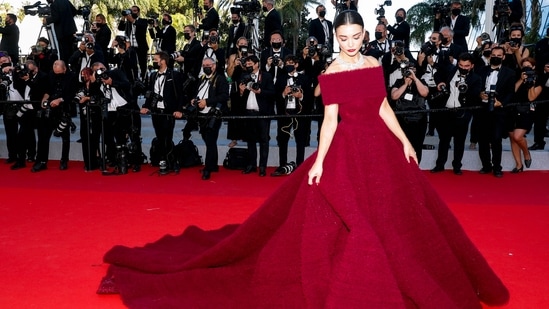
348,17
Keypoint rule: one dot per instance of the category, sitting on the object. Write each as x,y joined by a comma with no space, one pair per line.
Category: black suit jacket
166,39
62,86
304,83
233,37
273,22
173,93
210,21
265,100
218,92
62,17
10,41
400,32
268,52
75,61
193,53
141,26
505,86
461,29
121,83
103,38
38,85
317,30
474,87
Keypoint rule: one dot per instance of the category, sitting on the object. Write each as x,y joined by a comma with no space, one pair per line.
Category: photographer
211,100
212,50
507,11
381,45
164,99
272,58
43,55
392,62
541,110
293,96
515,51
450,51
211,20
33,89
345,5
409,94
62,18
236,31
273,22
257,92
498,89
235,69
464,87
321,28
314,59
135,28
88,53
60,90
10,38
10,90
458,23
166,36
401,30
189,57
102,33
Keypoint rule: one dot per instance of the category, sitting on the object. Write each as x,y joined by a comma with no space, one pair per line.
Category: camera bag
186,154
236,159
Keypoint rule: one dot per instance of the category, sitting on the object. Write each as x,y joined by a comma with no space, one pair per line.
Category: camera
295,88
405,69
152,19
462,85
126,12
502,8
515,42
485,37
62,126
443,92
491,97
4,83
46,109
398,47
441,8
214,114
276,59
381,10
84,11
101,74
43,10
213,39
530,80
21,71
23,108
154,98
250,8
311,48
428,48
248,80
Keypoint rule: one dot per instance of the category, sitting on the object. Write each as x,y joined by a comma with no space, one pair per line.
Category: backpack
154,156
236,159
186,154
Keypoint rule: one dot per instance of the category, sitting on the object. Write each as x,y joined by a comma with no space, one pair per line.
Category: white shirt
453,100
159,87
203,93
252,104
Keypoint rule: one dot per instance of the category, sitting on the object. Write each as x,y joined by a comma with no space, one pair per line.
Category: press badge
409,97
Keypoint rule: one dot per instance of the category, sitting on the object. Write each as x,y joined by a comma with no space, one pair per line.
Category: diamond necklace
350,65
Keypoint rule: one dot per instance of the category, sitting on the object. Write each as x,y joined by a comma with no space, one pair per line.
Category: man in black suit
189,58
272,57
211,49
211,20
381,45
211,98
257,93
10,38
401,30
450,51
87,54
135,29
62,18
165,36
236,31
498,90
321,28
102,33
164,102
464,87
273,21
458,23
513,12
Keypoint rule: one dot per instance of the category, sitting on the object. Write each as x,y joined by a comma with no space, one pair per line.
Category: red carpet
58,224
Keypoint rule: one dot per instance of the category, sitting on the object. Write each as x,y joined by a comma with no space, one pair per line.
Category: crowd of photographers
103,77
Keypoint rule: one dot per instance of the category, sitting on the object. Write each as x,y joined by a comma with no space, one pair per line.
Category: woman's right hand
315,173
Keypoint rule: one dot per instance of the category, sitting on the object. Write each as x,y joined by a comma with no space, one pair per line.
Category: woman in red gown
371,234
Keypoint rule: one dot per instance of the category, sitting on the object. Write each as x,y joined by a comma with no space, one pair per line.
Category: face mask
165,22
187,36
495,61
322,13
264,9
289,68
456,12
487,53
249,69
399,19
206,8
235,21
134,15
94,30
156,66
207,70
7,23
378,35
276,45
463,71
444,41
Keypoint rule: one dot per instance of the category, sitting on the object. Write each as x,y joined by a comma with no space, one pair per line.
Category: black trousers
142,61
452,124
302,131
491,133
163,129
415,132
26,145
46,126
11,125
540,122
258,132
210,135
117,127
90,134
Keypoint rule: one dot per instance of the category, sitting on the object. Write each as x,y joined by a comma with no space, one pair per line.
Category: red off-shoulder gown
372,234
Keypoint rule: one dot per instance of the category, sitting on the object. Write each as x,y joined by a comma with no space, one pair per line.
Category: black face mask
444,41
378,35
206,8
94,30
276,45
207,70
235,21
322,13
249,69
463,71
187,36
399,19
165,22
134,15
487,53
456,12
289,68
264,9
495,61
156,66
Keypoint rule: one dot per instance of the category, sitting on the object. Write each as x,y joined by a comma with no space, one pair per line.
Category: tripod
251,32
502,28
50,31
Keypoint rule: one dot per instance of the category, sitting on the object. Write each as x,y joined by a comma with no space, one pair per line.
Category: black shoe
517,170
528,162
457,171
38,166
249,169
437,169
485,170
30,159
536,146
498,174
10,160
136,168
205,175
262,171
18,165
63,165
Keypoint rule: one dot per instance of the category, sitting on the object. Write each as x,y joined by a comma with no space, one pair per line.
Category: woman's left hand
410,152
